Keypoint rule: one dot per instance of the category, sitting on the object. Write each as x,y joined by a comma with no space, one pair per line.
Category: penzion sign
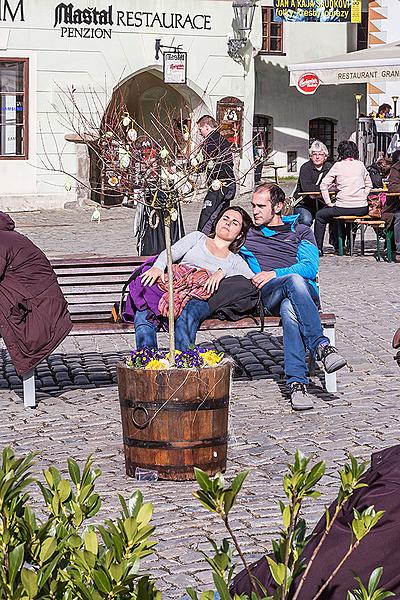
98,23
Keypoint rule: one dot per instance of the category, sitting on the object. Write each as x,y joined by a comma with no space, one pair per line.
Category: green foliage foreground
63,557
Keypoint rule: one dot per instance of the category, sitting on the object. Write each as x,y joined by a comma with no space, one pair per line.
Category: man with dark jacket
310,176
34,318
218,164
391,209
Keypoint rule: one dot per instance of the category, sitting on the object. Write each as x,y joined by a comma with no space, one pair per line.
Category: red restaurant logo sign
308,83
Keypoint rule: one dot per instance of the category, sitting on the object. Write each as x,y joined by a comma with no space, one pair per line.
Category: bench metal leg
330,378
341,229
378,245
389,236
362,230
28,381
351,240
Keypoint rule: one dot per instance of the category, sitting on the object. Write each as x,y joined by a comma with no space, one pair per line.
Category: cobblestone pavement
264,433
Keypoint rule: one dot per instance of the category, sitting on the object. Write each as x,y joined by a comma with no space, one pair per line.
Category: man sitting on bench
284,257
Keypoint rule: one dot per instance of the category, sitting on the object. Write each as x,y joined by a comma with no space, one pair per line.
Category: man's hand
212,283
151,276
262,278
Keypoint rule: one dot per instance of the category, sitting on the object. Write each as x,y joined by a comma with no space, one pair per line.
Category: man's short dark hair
207,120
276,193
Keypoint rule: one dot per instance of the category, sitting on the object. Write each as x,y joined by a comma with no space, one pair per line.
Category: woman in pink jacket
353,185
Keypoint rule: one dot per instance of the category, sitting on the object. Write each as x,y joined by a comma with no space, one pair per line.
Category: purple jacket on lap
143,297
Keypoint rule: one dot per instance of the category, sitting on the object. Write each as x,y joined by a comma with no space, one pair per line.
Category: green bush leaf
203,479
91,543
74,471
47,549
144,515
237,483
101,581
64,490
29,581
16,559
221,586
277,570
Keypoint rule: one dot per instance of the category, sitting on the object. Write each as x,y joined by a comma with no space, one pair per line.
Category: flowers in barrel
194,358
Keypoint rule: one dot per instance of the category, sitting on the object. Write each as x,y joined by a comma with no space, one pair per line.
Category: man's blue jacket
285,252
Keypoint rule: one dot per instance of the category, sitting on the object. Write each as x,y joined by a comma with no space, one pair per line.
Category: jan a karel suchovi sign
90,22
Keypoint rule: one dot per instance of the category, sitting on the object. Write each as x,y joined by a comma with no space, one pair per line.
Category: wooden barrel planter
175,420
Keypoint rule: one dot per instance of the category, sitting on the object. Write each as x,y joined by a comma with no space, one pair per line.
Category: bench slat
82,270
99,261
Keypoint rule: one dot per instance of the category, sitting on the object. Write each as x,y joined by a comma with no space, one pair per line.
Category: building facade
292,120
104,50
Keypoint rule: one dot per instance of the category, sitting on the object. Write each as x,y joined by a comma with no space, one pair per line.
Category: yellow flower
211,357
168,355
157,365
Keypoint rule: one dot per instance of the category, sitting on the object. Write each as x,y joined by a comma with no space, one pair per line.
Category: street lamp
243,21
358,100
395,98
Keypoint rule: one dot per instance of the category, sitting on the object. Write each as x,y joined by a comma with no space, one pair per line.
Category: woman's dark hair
246,224
384,108
347,149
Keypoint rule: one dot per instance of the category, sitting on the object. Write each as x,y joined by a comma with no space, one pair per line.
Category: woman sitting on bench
215,255
353,185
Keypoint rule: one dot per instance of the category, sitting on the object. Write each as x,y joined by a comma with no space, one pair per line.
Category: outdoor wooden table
276,168
315,195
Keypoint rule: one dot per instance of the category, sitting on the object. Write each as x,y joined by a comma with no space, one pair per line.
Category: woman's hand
151,276
212,283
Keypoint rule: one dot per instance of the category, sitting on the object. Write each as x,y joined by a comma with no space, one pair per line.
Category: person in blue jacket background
284,257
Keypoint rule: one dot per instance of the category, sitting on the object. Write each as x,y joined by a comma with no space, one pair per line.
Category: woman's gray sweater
191,250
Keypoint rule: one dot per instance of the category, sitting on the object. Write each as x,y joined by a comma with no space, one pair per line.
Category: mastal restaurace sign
98,23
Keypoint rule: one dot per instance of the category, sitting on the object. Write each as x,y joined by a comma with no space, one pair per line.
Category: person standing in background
218,164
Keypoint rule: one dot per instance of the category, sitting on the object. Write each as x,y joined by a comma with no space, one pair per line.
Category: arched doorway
156,107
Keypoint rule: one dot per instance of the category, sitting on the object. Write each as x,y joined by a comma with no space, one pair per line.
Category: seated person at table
353,185
216,253
310,177
391,209
379,171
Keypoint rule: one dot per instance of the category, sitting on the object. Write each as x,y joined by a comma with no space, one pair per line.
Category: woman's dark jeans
326,215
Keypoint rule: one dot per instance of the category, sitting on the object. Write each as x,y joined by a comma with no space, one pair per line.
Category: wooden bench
361,223
91,287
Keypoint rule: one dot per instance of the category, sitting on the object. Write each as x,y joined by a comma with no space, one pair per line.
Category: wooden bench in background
91,287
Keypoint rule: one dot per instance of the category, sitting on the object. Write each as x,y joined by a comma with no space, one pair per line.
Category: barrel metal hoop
179,406
176,445
172,468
